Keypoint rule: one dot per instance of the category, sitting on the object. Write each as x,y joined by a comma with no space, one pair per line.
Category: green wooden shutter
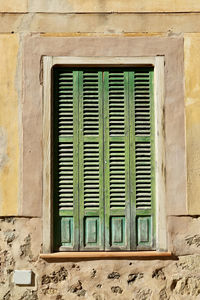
65,165
116,149
91,160
103,159
142,163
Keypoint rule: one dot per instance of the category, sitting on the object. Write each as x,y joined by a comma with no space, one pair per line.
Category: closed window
103,164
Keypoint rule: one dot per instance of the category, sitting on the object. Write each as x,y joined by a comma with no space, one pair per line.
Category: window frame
158,63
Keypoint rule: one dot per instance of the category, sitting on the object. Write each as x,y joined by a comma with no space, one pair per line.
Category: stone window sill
108,255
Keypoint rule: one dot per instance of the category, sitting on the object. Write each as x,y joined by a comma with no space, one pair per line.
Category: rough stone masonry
178,278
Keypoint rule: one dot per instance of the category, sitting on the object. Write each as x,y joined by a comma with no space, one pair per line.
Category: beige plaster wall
114,23
100,23
99,6
113,5
192,102
13,6
9,136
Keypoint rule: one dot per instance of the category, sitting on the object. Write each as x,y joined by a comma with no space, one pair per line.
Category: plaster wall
9,129
23,25
192,102
61,6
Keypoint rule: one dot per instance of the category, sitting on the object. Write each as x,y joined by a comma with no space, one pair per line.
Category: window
165,55
130,223
103,158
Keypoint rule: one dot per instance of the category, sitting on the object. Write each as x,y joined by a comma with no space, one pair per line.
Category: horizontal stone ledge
111,255
111,23
113,5
100,23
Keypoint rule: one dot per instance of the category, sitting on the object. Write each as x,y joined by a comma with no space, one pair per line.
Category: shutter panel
91,160
116,159
65,106
142,110
103,159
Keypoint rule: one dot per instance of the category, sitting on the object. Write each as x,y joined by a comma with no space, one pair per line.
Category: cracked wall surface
20,235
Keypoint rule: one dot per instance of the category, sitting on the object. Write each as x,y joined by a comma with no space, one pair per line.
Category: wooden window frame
158,63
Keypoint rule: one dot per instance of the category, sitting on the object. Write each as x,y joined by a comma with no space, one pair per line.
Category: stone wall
175,278
21,222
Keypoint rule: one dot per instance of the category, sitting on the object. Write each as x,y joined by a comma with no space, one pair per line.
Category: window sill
107,255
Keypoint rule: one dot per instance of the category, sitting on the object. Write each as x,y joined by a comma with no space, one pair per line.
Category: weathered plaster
9,23
184,237
108,23
113,6
9,122
93,34
3,148
172,48
192,102
99,6
14,6
102,23
114,23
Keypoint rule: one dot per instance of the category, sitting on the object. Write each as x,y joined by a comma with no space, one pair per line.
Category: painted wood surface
104,159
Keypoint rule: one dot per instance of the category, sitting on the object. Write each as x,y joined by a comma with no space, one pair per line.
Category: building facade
99,150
